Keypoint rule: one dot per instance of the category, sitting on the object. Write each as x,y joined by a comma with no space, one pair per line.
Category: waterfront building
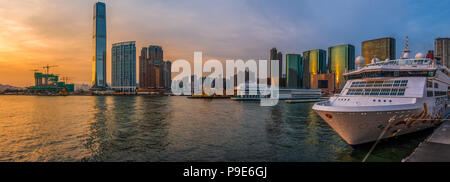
99,58
79,88
442,49
294,71
167,74
143,68
123,64
383,48
158,74
46,83
325,82
153,71
314,62
280,71
341,58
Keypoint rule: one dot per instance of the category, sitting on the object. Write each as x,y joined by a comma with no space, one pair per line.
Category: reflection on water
129,128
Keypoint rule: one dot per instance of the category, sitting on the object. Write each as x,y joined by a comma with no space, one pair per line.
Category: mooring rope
391,120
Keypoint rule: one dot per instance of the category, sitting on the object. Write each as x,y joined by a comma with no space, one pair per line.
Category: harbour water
161,128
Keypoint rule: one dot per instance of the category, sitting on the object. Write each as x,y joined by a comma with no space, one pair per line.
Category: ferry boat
244,93
388,98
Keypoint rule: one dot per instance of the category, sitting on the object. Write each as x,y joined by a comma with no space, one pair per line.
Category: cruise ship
388,98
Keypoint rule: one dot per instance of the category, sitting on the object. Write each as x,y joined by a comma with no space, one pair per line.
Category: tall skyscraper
442,49
123,64
383,48
144,71
152,68
167,74
280,71
314,62
294,71
275,55
341,58
99,40
156,57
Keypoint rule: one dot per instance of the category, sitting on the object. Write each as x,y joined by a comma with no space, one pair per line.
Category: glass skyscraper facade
123,64
275,55
341,58
383,48
294,71
99,42
314,62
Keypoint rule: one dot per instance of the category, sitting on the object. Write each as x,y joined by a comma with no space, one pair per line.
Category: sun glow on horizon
34,33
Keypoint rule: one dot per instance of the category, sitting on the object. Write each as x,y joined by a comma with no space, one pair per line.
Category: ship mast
406,51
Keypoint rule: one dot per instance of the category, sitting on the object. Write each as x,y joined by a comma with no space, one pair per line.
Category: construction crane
47,71
47,68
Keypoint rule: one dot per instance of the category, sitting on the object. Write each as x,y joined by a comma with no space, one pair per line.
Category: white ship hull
367,123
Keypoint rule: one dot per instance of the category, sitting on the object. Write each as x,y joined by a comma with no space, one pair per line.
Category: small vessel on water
244,93
388,98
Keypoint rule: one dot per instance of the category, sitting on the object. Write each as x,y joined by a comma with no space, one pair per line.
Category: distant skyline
34,33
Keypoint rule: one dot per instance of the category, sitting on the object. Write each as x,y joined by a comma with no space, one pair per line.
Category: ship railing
324,103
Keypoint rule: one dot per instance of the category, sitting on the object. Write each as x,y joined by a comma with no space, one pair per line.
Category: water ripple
87,128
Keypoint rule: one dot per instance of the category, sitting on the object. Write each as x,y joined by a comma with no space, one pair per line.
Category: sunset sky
34,33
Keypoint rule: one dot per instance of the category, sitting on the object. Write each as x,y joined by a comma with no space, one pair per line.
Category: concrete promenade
436,148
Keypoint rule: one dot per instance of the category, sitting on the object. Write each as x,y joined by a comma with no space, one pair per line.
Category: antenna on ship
406,51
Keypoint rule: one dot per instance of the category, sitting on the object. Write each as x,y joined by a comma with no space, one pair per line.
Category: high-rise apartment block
154,72
123,64
442,49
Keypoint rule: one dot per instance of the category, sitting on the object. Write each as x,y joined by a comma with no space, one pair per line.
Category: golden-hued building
341,58
325,82
314,62
383,48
